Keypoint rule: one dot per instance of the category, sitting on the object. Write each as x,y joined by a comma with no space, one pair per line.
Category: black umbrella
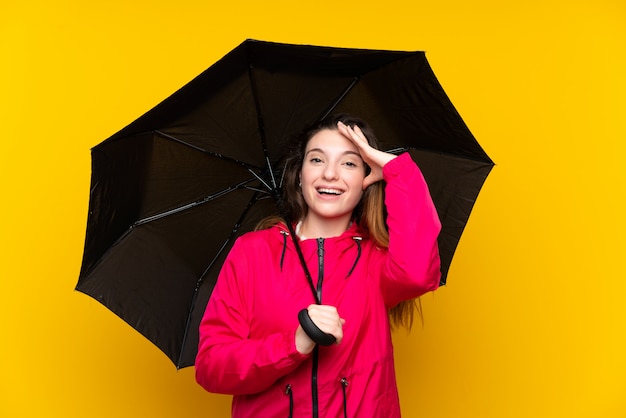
171,191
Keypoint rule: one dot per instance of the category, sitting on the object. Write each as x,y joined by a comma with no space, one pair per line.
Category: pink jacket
247,336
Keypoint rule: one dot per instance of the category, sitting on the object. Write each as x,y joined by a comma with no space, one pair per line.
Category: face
332,176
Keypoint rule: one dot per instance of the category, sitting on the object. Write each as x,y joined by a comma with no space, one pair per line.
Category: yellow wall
532,322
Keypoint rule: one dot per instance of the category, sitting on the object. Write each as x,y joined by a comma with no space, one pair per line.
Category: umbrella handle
312,330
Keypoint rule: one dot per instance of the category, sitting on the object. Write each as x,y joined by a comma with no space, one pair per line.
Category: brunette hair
369,213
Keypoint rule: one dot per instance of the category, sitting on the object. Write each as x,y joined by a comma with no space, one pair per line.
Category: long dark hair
369,213
294,206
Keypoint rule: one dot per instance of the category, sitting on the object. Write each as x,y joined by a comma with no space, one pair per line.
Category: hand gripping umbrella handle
314,333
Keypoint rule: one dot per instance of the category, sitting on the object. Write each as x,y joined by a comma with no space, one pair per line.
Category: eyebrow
347,152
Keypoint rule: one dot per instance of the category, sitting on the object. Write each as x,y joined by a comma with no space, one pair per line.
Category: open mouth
334,192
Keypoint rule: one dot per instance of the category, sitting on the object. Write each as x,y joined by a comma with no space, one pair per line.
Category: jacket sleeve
228,361
412,265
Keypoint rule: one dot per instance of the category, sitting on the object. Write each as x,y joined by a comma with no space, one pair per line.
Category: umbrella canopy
172,191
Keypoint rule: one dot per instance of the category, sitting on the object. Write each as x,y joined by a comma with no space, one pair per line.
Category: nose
330,172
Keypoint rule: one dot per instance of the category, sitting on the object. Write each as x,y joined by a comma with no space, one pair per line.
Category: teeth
330,191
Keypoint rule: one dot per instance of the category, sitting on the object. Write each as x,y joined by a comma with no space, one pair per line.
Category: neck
323,228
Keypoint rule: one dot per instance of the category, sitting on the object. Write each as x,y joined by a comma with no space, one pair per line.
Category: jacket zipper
320,265
289,393
344,385
320,279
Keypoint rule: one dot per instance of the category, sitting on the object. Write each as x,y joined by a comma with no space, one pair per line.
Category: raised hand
374,158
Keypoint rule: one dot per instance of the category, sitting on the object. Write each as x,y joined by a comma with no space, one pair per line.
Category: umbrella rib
259,178
333,106
400,150
259,116
274,190
242,185
200,280
247,166
236,227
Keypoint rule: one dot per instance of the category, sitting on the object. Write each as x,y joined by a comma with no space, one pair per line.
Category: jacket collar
353,232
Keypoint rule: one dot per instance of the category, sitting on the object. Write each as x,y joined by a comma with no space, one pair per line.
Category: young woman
252,344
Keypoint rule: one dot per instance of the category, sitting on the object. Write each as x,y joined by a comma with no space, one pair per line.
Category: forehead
328,141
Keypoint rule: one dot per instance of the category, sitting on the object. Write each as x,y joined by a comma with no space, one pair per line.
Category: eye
315,160
351,164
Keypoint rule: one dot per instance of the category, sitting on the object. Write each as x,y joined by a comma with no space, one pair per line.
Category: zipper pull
344,385
290,394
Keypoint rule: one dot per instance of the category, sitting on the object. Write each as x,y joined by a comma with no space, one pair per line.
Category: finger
359,133
369,180
334,328
323,313
349,132
327,319
343,130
